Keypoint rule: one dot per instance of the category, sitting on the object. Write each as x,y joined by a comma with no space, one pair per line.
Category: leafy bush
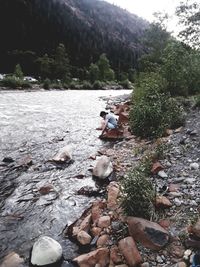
26,84
126,84
12,82
98,85
46,84
138,194
197,101
86,85
152,110
74,85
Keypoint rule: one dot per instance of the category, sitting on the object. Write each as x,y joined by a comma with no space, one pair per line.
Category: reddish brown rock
12,260
102,240
149,234
196,228
83,238
174,187
130,252
45,189
156,167
85,224
162,202
123,118
176,250
99,256
113,192
165,224
96,231
115,255
114,134
96,212
104,222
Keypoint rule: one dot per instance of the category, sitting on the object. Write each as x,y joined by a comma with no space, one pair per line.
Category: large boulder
99,256
149,234
103,168
63,155
113,193
46,251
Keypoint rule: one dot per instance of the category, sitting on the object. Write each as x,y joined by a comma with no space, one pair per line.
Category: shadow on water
36,125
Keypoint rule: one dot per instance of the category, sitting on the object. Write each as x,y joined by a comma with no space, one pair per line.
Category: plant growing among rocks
138,194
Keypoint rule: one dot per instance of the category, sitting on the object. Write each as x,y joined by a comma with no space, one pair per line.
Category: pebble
194,166
189,180
177,202
159,259
162,174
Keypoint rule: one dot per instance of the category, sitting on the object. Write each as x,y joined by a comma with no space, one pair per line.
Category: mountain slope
86,27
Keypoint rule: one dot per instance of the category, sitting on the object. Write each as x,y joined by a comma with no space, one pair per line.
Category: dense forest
31,28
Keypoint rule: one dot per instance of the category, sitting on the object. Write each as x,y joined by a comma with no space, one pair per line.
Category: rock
156,167
115,255
162,174
46,251
45,189
85,224
145,264
196,228
97,209
177,202
102,241
104,222
63,155
149,234
130,252
83,238
8,160
12,260
189,180
173,187
187,254
96,231
165,224
26,161
99,256
113,134
113,192
194,166
162,202
103,168
159,259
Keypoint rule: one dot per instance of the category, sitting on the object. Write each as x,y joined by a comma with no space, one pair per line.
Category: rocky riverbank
107,238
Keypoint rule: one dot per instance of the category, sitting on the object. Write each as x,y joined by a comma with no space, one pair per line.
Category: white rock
177,202
194,166
46,251
64,154
162,174
103,167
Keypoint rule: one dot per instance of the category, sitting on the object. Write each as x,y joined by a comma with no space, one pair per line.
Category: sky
146,8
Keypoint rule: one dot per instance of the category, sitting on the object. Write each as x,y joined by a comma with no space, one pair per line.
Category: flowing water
39,124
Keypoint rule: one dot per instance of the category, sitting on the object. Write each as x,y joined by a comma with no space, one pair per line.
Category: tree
45,66
61,63
94,72
189,18
105,72
18,71
174,69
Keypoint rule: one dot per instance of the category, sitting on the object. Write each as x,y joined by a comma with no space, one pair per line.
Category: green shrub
26,84
12,82
86,85
126,84
46,84
197,101
98,85
74,85
138,194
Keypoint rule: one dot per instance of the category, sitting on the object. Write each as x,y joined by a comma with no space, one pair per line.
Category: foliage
98,85
61,63
188,13
105,72
197,101
126,84
18,71
45,66
137,194
86,85
174,70
153,110
94,72
14,82
46,84
74,85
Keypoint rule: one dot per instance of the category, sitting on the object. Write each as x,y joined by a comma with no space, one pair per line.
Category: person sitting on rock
109,121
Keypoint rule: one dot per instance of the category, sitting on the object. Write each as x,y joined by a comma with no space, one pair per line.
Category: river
39,124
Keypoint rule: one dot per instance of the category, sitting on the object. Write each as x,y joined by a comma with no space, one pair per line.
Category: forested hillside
88,28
